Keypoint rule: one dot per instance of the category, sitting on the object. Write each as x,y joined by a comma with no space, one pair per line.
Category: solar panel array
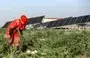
30,21
60,22
35,20
67,21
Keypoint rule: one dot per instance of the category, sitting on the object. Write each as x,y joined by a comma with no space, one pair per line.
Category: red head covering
23,22
23,19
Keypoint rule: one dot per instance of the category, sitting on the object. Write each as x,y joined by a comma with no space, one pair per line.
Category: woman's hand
7,36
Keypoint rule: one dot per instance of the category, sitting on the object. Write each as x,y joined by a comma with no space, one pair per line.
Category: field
48,43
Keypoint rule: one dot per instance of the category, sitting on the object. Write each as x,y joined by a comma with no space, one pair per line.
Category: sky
13,9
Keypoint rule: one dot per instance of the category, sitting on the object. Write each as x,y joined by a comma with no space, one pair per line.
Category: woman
12,33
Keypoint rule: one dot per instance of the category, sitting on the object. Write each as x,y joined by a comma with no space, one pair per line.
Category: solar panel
60,22
72,21
68,21
88,19
85,18
44,24
35,20
54,23
78,20
6,24
30,20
